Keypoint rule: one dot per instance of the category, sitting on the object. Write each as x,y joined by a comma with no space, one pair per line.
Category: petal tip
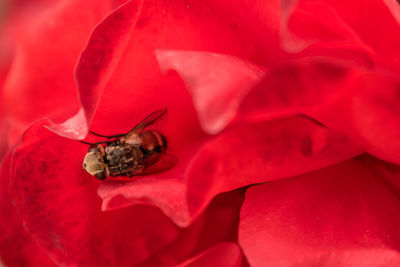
74,128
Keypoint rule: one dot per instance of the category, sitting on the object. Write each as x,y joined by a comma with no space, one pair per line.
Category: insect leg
107,136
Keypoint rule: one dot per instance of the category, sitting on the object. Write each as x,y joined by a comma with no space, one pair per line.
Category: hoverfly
137,152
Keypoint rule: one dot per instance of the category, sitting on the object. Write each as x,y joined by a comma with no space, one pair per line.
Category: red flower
255,92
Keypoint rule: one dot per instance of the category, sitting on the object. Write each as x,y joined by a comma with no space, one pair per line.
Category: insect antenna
107,136
97,143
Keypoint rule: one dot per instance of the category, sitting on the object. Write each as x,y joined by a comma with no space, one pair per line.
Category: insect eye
100,175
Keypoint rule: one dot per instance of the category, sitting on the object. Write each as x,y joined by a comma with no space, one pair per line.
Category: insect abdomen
153,142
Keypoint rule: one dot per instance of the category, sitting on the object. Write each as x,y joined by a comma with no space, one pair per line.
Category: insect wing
149,120
165,161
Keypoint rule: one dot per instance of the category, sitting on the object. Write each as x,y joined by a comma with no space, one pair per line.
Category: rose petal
223,254
4,135
335,30
298,86
393,6
74,128
40,81
379,28
15,16
253,17
217,83
260,152
17,248
103,52
368,114
345,214
218,223
96,65
60,208
165,190
313,28
377,115
167,194
340,96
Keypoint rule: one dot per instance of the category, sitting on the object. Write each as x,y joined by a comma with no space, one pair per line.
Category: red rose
256,92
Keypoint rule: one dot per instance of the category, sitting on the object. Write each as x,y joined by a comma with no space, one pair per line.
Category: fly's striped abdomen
152,142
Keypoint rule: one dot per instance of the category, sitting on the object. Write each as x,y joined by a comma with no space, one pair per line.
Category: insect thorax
123,159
